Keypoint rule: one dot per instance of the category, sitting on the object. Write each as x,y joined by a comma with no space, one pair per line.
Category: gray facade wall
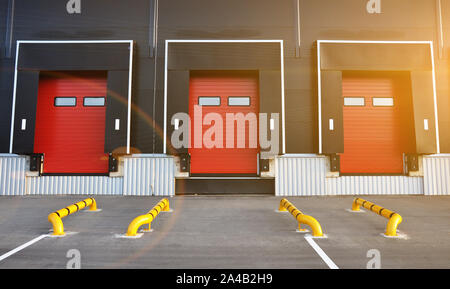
231,19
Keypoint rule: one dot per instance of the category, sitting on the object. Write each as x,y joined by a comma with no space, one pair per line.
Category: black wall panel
6,80
379,56
116,108
270,100
224,56
332,108
26,101
423,106
6,74
177,101
69,56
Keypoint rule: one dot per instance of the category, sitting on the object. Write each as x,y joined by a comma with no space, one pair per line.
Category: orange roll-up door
70,122
224,92
378,122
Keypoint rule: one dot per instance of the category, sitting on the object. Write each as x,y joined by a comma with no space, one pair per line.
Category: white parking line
321,253
12,252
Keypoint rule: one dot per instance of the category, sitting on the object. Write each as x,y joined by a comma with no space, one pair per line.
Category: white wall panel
437,174
149,175
74,185
12,175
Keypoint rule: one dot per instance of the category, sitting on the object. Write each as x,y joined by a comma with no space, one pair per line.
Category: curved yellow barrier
55,217
163,205
394,218
285,205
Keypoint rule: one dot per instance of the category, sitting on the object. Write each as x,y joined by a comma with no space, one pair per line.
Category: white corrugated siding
74,185
295,176
147,176
375,185
300,176
12,175
436,174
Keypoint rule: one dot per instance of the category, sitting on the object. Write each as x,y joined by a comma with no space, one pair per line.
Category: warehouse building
289,98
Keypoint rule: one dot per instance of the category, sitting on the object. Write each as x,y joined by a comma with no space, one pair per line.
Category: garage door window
94,101
239,101
383,101
209,100
354,101
65,101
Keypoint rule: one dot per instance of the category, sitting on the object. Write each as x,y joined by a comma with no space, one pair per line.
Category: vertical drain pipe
440,32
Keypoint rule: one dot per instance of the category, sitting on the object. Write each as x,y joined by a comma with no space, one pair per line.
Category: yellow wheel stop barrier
285,205
163,205
394,218
55,217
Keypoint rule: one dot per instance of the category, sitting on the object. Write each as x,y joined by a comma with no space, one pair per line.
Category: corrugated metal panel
74,185
300,176
12,175
374,185
437,175
149,175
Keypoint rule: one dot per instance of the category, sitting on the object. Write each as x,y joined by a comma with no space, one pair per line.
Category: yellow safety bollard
163,205
55,217
394,218
285,205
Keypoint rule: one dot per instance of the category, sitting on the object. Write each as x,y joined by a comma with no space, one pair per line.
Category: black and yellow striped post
285,205
394,218
55,217
163,206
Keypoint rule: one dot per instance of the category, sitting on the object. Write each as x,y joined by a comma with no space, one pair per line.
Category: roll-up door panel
209,87
68,132
378,133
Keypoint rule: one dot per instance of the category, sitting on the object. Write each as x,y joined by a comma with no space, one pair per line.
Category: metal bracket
185,163
36,161
412,162
113,163
335,162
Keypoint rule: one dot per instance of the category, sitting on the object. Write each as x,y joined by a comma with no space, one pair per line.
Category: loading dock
110,135
415,58
263,60
70,122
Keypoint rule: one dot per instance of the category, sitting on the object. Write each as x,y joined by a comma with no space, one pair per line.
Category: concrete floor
225,232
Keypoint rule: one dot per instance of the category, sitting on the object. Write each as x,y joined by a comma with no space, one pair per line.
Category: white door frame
319,82
166,54
130,77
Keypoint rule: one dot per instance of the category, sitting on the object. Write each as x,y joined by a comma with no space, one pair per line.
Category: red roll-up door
70,122
221,93
378,123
